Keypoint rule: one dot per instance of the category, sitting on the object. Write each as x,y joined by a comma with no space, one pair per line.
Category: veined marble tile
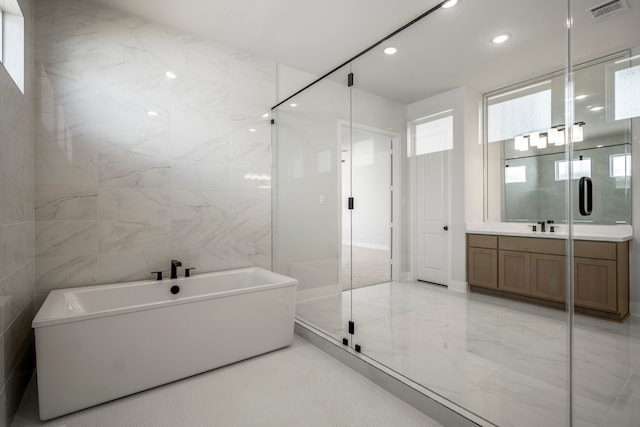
207,175
251,254
66,237
16,245
251,142
624,413
130,47
124,266
133,170
252,89
116,236
248,178
16,291
190,150
203,259
189,234
196,125
60,272
196,57
63,17
66,168
151,206
65,202
200,205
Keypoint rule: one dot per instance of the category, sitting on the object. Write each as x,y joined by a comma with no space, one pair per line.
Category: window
514,174
581,167
12,41
519,112
619,165
433,134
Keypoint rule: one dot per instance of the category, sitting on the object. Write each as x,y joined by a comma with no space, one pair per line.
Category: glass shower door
307,237
606,103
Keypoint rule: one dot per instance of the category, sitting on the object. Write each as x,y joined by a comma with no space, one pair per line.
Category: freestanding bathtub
99,343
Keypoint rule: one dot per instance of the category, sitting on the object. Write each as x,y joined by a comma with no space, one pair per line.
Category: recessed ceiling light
449,4
152,113
293,104
170,75
390,50
252,130
596,108
579,97
501,38
265,115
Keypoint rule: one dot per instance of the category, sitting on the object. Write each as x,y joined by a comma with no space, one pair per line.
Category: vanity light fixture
554,136
501,38
390,50
450,3
521,143
578,134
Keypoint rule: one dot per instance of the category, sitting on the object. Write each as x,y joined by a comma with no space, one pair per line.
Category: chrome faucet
174,268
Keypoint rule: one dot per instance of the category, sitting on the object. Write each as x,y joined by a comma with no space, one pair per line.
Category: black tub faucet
174,268
542,223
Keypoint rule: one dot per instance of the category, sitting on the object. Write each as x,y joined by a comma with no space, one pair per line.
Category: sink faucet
174,268
542,224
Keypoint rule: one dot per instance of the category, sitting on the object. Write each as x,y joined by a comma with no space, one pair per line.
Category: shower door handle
585,196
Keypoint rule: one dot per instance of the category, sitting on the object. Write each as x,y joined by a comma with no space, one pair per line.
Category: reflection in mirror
525,138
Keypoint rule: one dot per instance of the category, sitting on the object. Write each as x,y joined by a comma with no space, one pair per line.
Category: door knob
445,228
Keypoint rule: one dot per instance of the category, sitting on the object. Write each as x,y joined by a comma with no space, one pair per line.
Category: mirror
525,153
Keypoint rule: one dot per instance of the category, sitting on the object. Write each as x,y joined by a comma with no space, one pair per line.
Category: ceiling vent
607,9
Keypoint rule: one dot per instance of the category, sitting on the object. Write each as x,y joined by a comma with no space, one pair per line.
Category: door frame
396,204
414,205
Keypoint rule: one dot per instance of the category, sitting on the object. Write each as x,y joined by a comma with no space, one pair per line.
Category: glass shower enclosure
394,173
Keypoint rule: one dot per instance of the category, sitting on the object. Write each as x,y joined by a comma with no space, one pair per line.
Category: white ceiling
447,49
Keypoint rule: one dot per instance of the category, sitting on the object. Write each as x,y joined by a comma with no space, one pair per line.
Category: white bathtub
99,343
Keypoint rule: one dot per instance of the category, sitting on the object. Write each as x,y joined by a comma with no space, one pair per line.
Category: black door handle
445,228
585,196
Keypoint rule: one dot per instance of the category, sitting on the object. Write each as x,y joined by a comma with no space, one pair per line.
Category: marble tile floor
504,360
296,386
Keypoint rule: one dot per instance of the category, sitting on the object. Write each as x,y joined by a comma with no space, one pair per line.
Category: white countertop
608,233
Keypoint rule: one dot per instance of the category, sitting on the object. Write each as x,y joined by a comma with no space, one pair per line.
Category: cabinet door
515,272
548,277
483,267
596,285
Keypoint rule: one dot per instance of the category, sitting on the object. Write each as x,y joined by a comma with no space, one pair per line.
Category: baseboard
458,286
634,308
367,245
319,292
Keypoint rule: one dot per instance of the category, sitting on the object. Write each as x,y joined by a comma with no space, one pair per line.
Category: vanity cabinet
534,269
482,260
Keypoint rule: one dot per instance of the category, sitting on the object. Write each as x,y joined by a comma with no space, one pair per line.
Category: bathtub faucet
174,268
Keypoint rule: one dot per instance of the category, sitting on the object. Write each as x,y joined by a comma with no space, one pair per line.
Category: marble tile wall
16,229
146,142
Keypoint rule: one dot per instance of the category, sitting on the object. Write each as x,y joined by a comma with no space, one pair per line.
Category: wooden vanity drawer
533,244
591,249
483,241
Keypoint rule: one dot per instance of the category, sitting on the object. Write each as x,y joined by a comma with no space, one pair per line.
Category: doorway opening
367,234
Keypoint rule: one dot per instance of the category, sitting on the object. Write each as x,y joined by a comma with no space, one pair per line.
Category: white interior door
432,212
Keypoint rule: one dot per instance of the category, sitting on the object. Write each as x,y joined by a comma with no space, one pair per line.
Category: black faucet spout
174,268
